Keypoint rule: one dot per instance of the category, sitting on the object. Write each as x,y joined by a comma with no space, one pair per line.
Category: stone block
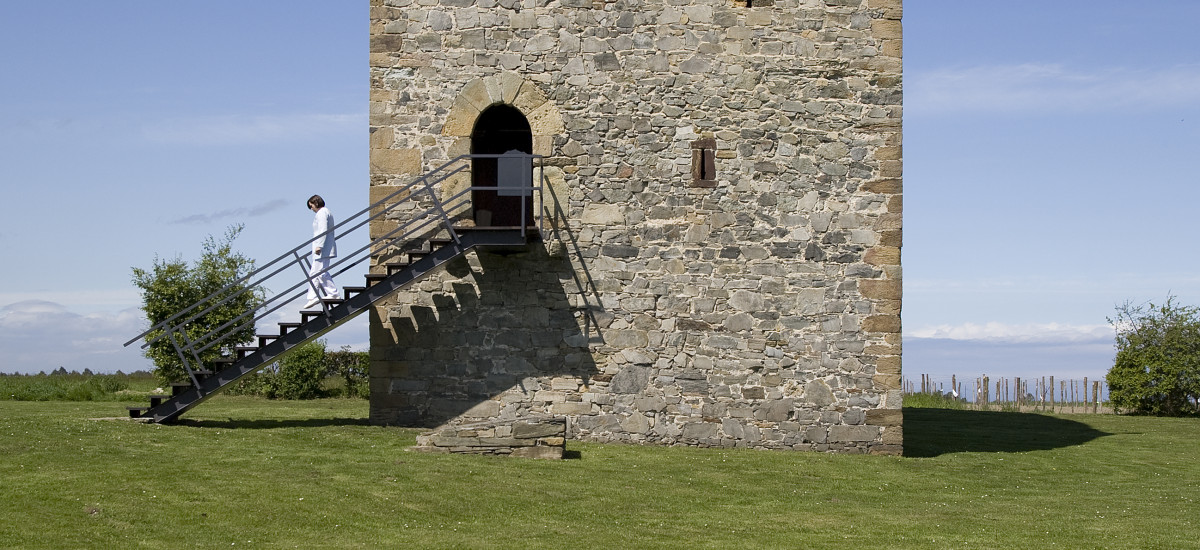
849,434
889,222
603,214
461,119
382,138
887,186
886,450
572,408
886,29
700,430
776,410
881,323
885,417
564,384
636,423
745,300
508,86
453,441
549,396
545,120
880,289
886,382
395,161
477,95
540,451
627,339
888,365
818,394
893,435
533,430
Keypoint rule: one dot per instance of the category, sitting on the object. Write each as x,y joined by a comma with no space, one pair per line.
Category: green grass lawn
243,471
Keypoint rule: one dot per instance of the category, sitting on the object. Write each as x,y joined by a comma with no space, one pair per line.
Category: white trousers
322,281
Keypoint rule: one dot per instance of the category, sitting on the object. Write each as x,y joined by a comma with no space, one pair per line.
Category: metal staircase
429,231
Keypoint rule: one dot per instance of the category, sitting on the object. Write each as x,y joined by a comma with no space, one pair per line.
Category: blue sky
1049,170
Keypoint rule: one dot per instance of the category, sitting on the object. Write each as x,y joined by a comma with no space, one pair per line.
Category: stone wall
752,303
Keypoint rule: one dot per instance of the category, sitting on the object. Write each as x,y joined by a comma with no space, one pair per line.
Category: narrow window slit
704,163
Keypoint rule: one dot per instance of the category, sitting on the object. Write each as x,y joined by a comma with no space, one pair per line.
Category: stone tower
724,198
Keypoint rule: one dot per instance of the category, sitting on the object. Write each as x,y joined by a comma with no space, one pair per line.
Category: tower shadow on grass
933,432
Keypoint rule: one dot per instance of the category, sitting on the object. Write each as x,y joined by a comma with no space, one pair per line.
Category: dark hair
316,200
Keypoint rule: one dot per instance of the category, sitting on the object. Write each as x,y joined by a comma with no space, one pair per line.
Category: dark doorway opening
499,129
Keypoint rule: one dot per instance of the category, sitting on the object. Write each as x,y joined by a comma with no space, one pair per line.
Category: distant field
77,387
243,471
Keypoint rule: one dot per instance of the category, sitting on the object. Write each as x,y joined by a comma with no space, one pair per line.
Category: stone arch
545,121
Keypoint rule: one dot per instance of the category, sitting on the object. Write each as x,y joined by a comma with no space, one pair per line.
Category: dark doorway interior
499,129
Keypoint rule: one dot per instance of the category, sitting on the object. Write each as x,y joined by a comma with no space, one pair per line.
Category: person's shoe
312,303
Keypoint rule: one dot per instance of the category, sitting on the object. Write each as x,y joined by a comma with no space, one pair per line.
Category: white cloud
1031,351
1029,333
1046,88
41,335
233,213
244,129
76,300
38,335
1122,286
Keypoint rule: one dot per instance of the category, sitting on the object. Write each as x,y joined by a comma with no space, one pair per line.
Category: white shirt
323,225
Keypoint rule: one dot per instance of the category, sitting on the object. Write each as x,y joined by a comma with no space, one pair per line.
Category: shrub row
64,386
310,372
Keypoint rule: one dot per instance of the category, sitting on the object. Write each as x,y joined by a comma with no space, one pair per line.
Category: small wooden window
704,163
753,3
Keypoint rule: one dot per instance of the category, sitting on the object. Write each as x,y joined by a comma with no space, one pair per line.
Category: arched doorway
499,129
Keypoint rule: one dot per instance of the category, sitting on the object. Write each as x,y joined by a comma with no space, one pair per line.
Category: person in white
323,249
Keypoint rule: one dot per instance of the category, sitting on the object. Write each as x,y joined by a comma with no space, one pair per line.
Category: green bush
1157,368
172,286
301,372
353,368
260,383
299,375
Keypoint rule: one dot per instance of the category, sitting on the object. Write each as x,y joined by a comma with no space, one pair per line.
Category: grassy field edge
248,471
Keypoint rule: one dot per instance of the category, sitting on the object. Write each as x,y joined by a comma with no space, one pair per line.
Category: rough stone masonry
723,262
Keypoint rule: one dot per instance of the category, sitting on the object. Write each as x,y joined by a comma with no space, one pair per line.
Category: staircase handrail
434,214
166,322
